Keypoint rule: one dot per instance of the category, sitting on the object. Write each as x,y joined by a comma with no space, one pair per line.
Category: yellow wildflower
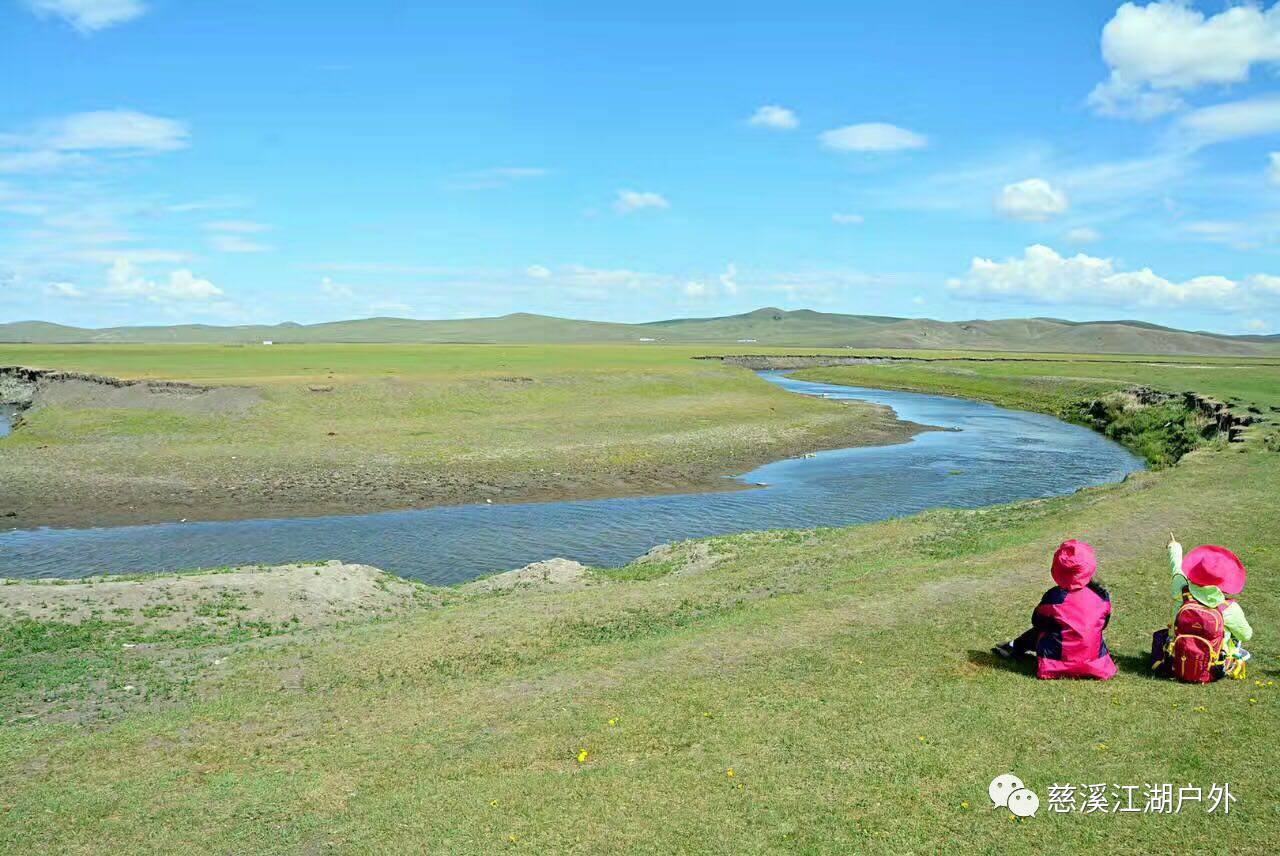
582,756
729,772
613,722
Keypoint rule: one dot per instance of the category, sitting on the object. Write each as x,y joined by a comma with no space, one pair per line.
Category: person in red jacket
1066,627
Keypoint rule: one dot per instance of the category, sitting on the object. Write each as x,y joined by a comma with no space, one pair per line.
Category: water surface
7,412
997,455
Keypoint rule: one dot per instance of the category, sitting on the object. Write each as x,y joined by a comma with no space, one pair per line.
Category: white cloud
133,256
592,283
596,282
124,279
1273,167
729,280
697,290
1044,276
636,200
230,236
41,160
518,171
847,219
1256,325
204,205
496,177
239,227
872,137
1232,233
1082,235
65,290
1233,120
1160,49
385,268
336,289
1032,199
725,285
774,117
65,143
1106,188
120,130
89,15
225,243
1132,102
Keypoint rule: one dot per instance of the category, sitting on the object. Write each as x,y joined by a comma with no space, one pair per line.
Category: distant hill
763,327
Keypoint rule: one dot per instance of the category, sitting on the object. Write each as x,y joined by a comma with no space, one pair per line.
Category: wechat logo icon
1008,791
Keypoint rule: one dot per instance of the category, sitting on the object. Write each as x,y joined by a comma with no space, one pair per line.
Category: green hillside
767,326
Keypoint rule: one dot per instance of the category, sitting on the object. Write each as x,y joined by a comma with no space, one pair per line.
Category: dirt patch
550,574
35,388
298,595
687,558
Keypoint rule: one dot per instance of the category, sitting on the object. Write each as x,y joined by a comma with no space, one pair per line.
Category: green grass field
357,428
818,692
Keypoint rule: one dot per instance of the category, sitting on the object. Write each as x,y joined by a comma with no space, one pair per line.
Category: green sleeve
1175,567
1233,618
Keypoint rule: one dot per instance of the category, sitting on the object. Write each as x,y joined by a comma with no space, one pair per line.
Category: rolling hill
763,327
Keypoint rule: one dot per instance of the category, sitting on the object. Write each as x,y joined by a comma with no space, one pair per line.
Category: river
995,456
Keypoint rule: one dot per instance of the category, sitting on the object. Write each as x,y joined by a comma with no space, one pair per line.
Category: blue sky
233,162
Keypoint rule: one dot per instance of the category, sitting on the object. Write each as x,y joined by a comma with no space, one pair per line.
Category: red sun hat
1074,564
1215,566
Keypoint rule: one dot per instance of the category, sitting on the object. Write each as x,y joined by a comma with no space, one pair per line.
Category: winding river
995,456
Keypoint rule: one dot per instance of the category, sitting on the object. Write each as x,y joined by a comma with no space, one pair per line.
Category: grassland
360,428
823,691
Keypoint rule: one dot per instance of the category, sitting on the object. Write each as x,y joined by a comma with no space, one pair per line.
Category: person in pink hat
1202,580
1067,626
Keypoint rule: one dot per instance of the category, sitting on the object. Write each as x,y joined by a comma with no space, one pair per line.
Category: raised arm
1175,566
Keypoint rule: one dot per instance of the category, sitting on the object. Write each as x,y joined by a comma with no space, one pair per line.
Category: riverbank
218,433
991,455
841,675
1146,407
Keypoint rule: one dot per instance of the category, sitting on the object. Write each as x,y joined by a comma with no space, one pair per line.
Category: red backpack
1196,646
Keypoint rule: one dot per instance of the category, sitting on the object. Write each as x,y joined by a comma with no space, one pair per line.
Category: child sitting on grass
1066,628
1203,642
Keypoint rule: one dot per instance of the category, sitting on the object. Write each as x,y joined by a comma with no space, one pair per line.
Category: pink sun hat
1214,566
1074,565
